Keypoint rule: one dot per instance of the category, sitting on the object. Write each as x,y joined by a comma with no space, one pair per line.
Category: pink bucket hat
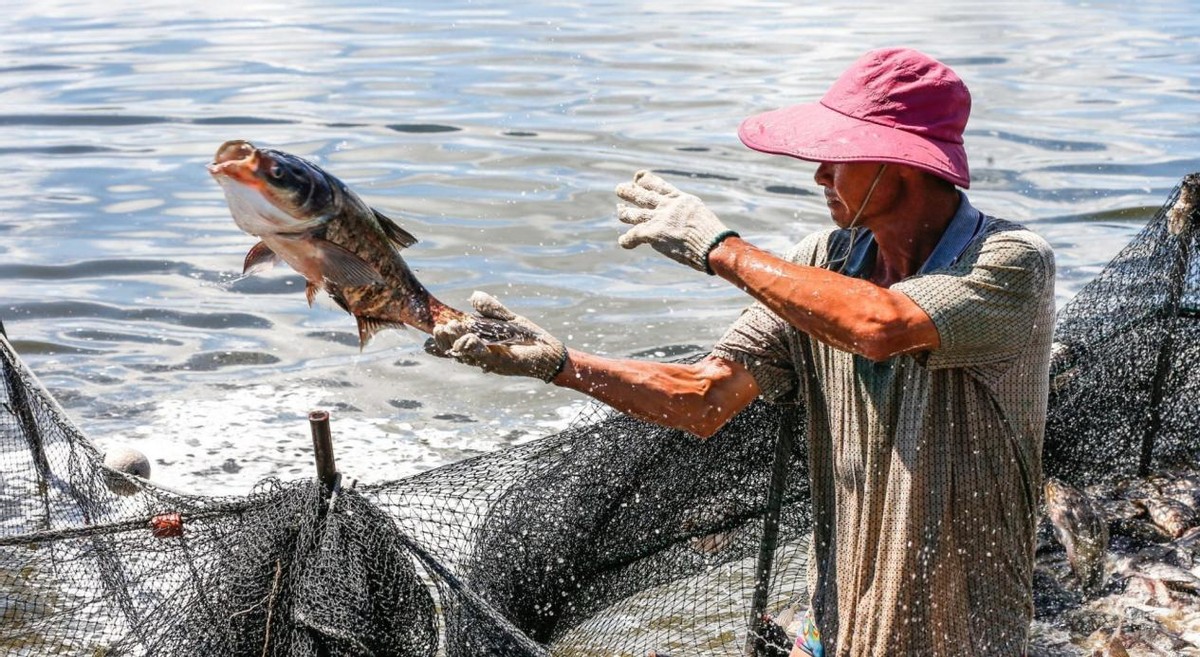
893,105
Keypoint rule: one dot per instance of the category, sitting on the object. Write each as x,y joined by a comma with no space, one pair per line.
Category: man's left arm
848,313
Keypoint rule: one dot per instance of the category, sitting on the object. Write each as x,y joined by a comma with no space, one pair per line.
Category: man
917,333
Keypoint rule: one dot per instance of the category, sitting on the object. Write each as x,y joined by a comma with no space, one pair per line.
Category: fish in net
613,537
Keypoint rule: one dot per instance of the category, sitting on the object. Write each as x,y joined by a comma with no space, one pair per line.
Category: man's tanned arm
848,313
698,398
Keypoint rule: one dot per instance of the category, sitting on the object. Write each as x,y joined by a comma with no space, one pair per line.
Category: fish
1185,490
1170,575
1183,209
713,542
1082,530
1110,645
1170,516
311,220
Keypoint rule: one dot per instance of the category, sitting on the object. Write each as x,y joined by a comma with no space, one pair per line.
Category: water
495,132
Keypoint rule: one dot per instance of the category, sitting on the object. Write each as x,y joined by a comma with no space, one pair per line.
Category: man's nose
824,175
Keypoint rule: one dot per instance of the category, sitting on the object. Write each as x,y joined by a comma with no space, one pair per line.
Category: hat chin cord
854,222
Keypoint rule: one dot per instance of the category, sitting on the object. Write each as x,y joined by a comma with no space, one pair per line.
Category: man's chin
837,216
839,221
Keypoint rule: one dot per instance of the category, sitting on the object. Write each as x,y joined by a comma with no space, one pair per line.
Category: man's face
847,185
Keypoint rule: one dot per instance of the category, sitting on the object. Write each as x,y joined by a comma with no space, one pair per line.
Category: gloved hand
542,358
677,225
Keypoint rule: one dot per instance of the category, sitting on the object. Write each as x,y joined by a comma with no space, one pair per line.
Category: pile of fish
1118,568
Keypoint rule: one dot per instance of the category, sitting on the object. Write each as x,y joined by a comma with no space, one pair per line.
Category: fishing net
613,537
1125,376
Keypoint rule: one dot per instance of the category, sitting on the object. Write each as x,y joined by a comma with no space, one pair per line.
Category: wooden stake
323,449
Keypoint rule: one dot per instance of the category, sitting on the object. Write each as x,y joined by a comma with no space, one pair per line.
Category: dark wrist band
720,237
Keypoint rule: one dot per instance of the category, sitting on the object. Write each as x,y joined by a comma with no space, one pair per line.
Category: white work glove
677,225
542,357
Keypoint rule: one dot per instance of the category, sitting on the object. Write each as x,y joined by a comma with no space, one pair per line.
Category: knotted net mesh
613,537
1125,376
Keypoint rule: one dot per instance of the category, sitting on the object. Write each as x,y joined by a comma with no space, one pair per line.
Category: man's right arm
696,397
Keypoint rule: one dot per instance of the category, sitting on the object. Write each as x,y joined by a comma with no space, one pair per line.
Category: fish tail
440,313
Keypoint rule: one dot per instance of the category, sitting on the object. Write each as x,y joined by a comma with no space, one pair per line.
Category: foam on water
240,435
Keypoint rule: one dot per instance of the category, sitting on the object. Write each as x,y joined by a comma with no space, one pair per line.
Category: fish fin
369,326
344,267
336,295
398,236
310,292
260,257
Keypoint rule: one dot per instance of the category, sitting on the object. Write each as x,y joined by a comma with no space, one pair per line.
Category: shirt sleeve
765,344
757,340
985,306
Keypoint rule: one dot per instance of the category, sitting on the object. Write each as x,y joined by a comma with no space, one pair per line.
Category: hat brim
816,133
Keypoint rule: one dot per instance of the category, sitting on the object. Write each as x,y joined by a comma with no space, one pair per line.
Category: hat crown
903,89
893,105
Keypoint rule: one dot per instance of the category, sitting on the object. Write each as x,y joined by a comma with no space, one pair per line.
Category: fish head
272,192
1066,508
1059,492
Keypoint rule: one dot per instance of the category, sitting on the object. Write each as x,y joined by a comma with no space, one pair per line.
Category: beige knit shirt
925,470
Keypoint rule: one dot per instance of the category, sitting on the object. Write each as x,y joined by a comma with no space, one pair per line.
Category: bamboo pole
1182,218
780,463
323,449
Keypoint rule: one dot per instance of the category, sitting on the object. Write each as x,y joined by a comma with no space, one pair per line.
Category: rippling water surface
495,132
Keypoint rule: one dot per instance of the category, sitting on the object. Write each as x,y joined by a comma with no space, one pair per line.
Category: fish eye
275,171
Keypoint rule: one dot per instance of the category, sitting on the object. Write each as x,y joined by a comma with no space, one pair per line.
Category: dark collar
963,228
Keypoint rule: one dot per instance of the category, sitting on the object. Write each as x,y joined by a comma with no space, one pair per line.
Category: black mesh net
1125,378
613,537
